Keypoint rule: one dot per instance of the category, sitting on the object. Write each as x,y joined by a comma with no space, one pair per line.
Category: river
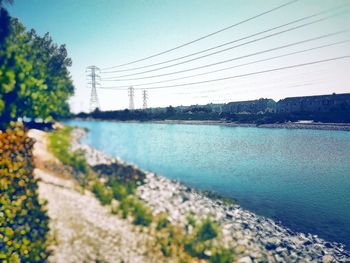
298,177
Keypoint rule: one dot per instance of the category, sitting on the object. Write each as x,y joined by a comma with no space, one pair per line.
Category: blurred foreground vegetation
23,219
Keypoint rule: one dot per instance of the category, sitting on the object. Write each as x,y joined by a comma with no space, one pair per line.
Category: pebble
249,234
327,259
245,260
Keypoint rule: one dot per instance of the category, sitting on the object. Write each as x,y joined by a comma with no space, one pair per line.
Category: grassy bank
197,241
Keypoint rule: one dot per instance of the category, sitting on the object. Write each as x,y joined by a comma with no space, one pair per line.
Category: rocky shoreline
254,238
287,125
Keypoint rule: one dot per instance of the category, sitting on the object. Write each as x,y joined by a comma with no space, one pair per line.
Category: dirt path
82,230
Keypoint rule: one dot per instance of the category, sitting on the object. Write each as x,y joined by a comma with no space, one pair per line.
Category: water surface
298,177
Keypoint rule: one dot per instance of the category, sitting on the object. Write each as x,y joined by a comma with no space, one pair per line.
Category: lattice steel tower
93,76
131,93
145,98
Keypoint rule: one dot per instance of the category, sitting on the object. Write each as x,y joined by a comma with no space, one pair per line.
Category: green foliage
142,215
126,205
102,193
137,209
4,22
162,221
122,190
23,220
201,239
59,145
34,76
191,221
170,239
222,255
197,248
207,230
119,191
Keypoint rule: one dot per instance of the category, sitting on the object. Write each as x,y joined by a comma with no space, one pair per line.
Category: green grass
162,221
102,193
222,255
122,190
59,145
137,209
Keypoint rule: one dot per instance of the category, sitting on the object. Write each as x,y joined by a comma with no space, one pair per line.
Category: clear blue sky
110,32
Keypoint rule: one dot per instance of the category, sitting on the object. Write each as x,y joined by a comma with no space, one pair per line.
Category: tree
4,21
34,76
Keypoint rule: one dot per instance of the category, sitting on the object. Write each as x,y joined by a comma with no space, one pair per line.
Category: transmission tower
131,93
145,98
93,82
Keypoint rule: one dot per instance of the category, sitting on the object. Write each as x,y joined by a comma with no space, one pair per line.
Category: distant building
310,104
217,108
250,106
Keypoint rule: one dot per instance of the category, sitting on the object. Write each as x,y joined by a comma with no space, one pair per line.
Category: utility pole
93,74
145,98
131,93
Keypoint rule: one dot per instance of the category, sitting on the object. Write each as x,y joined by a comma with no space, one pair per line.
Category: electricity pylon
131,93
145,98
93,78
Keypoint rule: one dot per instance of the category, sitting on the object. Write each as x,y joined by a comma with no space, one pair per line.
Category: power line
223,50
255,61
205,36
231,42
245,75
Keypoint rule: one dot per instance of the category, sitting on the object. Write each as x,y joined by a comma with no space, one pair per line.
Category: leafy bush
102,193
207,230
23,220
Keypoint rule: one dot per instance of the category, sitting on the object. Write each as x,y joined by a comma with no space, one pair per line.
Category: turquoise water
298,177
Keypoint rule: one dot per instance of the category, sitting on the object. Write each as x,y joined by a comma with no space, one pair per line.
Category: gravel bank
252,237
81,229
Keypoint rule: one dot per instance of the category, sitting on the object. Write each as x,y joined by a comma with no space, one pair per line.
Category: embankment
253,238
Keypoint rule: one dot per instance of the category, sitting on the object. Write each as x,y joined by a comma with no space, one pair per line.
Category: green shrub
196,248
102,193
207,230
165,247
170,239
162,221
142,214
222,255
23,220
135,207
126,206
191,221
200,242
119,191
